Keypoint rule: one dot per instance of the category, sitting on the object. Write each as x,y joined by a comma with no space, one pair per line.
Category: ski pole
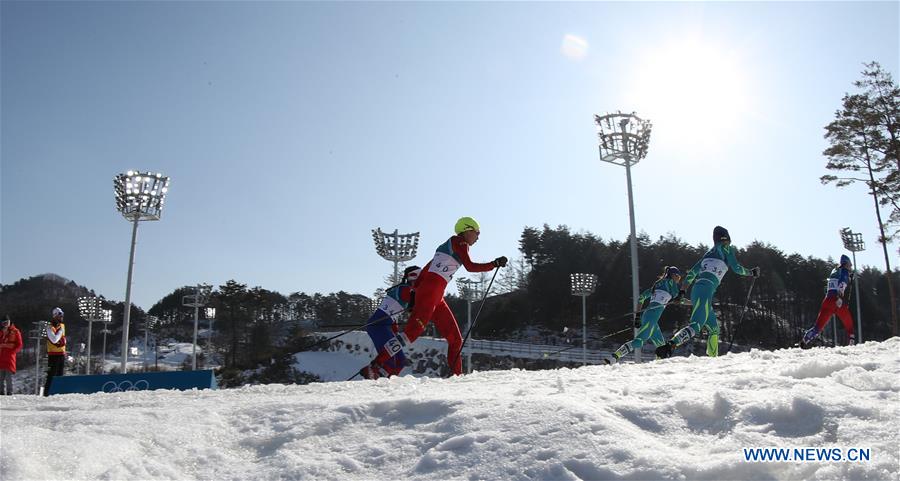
387,315
639,311
474,319
591,339
741,319
683,302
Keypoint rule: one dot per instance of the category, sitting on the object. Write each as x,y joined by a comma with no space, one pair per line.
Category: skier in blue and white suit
666,289
383,328
708,273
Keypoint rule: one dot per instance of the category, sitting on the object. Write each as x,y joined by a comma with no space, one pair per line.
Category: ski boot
682,336
625,350
373,371
852,340
808,337
665,351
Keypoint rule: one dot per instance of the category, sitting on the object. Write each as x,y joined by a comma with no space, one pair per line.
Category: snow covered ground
680,419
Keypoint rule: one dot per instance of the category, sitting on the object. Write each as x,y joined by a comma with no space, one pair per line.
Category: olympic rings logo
112,386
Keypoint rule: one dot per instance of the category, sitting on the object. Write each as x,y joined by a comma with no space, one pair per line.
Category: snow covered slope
684,418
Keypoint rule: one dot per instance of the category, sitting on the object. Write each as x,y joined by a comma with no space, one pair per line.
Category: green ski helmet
464,224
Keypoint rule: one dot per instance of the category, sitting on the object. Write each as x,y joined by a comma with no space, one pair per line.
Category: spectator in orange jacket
56,348
10,345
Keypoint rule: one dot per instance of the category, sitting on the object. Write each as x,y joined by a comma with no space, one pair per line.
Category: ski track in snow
678,419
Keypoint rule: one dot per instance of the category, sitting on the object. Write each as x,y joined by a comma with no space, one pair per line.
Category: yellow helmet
464,224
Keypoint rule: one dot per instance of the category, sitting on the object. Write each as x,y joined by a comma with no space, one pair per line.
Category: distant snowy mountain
678,419
49,276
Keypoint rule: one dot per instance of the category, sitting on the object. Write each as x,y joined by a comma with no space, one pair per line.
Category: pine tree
863,140
884,100
232,297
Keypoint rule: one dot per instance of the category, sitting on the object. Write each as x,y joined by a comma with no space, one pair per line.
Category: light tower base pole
635,287
127,316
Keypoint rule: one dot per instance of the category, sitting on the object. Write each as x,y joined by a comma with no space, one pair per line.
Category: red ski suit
829,308
429,302
10,344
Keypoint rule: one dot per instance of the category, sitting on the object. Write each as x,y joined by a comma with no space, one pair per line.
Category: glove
755,272
637,322
500,261
839,302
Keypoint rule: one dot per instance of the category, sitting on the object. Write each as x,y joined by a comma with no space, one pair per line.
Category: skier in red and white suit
429,291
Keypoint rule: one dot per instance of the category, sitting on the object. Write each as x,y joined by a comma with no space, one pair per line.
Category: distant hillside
31,299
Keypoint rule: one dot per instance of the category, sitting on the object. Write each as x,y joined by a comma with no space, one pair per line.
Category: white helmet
57,312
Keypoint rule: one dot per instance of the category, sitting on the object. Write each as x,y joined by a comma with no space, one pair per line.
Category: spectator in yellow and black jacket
56,348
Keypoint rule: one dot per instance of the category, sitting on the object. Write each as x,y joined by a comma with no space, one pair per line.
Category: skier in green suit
666,289
707,273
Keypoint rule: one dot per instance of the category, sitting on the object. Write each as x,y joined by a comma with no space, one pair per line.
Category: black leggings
6,384
55,367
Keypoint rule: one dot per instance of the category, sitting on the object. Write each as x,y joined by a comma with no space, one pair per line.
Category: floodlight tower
139,196
105,318
38,333
211,317
90,309
196,300
471,291
150,322
854,243
583,285
623,140
396,248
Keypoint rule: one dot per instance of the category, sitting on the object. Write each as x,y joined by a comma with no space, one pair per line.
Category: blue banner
142,381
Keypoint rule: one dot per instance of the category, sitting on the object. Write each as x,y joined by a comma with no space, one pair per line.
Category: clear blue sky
290,130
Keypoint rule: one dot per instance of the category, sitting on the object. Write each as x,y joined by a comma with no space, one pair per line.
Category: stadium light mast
196,300
106,318
623,140
139,196
90,308
38,333
396,248
854,243
150,322
470,290
583,285
211,318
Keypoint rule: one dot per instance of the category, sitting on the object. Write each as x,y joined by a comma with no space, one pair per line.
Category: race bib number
716,267
660,297
444,265
835,285
395,344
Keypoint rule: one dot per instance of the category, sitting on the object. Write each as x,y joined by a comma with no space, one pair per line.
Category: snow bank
682,418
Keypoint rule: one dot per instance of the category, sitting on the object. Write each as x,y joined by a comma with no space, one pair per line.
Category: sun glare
574,47
692,90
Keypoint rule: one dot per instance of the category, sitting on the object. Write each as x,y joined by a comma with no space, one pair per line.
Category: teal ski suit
708,273
663,291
